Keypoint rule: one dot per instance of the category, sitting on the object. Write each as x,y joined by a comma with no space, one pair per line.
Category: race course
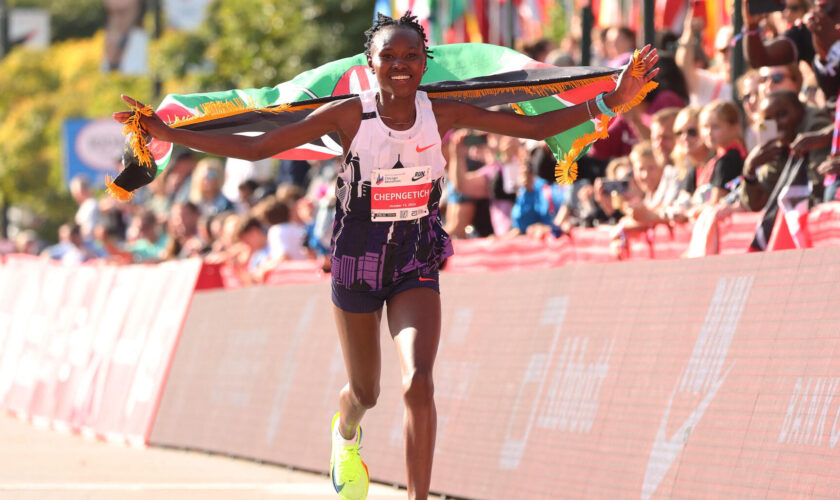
45,464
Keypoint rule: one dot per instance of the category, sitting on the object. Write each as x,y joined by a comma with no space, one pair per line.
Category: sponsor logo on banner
563,399
704,375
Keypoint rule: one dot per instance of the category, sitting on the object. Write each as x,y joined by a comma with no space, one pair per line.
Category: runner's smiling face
398,60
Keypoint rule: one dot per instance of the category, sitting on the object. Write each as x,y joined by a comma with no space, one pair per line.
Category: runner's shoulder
346,113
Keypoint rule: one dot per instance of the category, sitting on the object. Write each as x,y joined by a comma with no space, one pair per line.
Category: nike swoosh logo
665,451
336,486
420,150
426,279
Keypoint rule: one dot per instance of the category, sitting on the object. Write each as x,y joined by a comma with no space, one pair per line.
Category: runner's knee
365,396
418,388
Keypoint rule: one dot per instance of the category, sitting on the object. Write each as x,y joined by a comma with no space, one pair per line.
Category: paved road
48,465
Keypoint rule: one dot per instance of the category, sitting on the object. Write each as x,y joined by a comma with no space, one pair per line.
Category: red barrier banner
715,377
88,347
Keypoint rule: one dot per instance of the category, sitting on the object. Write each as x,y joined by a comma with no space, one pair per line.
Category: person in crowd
247,196
254,261
690,154
720,127
814,41
619,44
87,215
156,200
177,178
286,237
182,232
70,248
615,190
747,87
148,241
647,174
225,246
237,171
704,85
206,191
536,205
794,11
27,242
830,168
496,180
783,77
765,163
663,141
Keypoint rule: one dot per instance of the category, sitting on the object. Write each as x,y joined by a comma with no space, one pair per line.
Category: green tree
69,18
258,43
45,88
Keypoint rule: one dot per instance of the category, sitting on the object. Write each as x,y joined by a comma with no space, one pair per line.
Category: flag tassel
116,191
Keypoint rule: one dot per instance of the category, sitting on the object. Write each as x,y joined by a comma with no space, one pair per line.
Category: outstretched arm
686,56
322,121
453,114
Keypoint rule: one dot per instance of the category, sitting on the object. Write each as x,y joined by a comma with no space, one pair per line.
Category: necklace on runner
378,110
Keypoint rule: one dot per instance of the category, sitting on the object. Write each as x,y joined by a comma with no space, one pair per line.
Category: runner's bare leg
414,321
359,336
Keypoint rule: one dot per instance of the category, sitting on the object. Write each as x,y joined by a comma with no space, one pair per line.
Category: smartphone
767,131
619,187
698,9
757,7
475,140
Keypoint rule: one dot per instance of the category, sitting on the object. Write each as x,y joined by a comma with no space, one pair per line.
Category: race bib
400,194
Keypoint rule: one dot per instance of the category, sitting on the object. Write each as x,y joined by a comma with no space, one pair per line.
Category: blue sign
93,148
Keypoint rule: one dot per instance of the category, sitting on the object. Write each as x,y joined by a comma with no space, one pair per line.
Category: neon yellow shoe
348,472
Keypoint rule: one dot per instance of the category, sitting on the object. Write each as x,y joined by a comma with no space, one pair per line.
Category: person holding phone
764,164
816,41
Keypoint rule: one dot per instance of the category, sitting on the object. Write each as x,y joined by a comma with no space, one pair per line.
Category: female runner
388,242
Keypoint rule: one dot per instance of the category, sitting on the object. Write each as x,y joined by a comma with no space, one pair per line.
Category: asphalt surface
42,463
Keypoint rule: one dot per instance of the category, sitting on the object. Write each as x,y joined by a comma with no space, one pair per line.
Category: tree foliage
241,44
45,88
261,42
69,18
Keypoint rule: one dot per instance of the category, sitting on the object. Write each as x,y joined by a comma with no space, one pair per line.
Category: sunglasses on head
774,77
691,132
794,7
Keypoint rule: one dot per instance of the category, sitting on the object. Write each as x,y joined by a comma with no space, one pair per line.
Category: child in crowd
720,124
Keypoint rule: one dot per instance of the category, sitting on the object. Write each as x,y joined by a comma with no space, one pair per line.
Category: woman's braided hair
407,20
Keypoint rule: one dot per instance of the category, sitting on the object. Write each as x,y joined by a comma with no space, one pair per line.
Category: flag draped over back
479,74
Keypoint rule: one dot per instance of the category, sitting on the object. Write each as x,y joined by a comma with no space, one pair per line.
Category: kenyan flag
480,74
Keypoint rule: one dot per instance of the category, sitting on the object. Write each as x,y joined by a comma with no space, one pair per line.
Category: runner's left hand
628,86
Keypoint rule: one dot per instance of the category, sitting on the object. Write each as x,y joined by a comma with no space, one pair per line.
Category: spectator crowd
694,150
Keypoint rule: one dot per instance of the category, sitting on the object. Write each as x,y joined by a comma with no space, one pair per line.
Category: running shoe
348,472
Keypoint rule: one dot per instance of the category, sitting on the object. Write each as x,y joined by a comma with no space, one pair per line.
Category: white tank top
379,147
387,217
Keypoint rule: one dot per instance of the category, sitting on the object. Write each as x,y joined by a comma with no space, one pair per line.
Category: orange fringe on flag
540,90
133,127
116,191
566,169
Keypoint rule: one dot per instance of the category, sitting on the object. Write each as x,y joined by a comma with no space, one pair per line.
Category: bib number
400,194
